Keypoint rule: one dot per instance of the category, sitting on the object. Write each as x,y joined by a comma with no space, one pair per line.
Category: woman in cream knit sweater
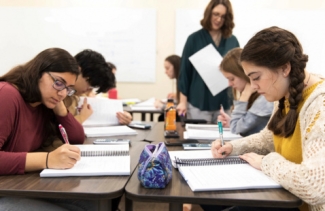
291,149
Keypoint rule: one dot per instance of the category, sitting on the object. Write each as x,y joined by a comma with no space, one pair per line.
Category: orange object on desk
170,116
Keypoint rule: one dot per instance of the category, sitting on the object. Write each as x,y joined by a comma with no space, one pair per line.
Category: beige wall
165,30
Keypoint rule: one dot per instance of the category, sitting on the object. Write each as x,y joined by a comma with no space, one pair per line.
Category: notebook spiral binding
103,153
209,161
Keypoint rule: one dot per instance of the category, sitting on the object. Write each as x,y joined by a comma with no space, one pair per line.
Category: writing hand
253,159
124,118
64,157
219,151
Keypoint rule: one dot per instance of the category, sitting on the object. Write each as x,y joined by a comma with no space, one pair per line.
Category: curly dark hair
273,47
95,69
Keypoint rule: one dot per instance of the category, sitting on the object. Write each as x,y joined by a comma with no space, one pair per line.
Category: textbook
211,174
104,111
121,130
97,160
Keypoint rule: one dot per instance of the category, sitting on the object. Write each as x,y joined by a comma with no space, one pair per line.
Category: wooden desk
143,112
178,192
102,188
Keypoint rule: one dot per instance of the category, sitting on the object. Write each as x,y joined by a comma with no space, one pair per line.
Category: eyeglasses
59,85
218,15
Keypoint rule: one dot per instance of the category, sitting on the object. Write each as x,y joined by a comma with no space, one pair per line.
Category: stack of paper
145,105
204,127
209,135
109,131
207,132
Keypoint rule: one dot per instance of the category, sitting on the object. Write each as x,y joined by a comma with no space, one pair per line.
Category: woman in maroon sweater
31,108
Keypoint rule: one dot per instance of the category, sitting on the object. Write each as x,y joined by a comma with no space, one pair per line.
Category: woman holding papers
95,73
251,110
196,99
291,148
31,109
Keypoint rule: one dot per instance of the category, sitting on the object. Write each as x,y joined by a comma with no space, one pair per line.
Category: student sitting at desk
172,67
291,148
251,110
94,73
31,109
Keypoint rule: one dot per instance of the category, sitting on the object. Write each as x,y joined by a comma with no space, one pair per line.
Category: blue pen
221,134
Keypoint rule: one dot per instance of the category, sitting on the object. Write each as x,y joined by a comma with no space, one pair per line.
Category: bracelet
47,158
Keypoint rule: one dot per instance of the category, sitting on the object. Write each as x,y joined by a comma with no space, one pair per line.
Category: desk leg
151,117
128,204
105,205
143,117
175,206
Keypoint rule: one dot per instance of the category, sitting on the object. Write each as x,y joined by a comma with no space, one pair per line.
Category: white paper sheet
104,111
207,61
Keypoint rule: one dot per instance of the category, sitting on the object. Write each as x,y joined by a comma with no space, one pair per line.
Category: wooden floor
147,206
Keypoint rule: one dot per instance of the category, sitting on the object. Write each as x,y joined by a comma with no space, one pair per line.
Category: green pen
221,134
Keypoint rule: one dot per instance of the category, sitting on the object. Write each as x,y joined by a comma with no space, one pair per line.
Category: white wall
165,41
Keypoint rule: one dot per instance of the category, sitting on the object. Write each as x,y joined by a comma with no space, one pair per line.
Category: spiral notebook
231,173
96,160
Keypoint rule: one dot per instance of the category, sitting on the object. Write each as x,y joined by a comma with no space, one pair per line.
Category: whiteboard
307,25
126,37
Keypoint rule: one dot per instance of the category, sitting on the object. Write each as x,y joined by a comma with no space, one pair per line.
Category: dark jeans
219,208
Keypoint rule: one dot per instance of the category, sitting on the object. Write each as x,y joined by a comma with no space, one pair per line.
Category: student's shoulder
8,90
262,107
198,33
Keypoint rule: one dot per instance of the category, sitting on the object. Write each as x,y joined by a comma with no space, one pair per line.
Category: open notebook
97,160
210,174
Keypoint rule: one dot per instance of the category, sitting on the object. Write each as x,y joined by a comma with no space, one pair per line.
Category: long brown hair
228,25
26,78
231,64
272,48
175,60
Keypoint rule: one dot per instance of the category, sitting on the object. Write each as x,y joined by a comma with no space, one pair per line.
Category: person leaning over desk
95,73
196,99
31,109
251,111
291,148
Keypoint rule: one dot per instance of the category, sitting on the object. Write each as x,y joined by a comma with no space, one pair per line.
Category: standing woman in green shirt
195,98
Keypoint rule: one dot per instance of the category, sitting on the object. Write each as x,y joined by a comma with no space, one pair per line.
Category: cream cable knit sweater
305,180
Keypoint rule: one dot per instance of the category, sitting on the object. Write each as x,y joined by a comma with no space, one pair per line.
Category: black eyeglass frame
70,91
